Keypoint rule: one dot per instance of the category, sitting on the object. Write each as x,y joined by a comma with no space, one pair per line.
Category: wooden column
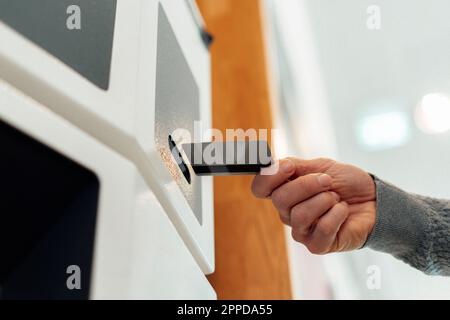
251,258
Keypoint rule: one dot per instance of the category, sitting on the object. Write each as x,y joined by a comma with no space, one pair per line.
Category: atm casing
123,119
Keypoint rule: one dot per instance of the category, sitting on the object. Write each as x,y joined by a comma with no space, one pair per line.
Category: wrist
399,226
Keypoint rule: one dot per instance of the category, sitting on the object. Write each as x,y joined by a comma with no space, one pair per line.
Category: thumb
319,165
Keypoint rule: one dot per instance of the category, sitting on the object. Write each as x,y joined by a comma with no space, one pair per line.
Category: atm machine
93,204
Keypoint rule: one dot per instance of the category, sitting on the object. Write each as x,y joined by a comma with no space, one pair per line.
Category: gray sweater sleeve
412,228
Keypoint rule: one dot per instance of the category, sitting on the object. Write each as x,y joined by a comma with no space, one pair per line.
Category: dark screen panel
48,212
88,50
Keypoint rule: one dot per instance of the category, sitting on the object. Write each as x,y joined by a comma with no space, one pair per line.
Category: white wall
332,71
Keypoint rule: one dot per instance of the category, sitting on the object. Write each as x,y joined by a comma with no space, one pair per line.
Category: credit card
228,158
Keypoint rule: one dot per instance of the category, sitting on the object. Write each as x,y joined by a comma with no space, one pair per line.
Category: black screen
48,206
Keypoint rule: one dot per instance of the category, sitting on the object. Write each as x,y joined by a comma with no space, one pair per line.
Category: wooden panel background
251,258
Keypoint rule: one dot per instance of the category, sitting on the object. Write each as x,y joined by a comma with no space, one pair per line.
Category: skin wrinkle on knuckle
298,216
345,215
285,220
258,188
325,228
324,160
299,213
278,199
265,192
314,248
329,199
305,184
341,211
297,235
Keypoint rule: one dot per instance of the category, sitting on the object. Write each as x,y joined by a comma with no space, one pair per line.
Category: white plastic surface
123,117
138,253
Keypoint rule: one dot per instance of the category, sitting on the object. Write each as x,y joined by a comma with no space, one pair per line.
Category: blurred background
368,83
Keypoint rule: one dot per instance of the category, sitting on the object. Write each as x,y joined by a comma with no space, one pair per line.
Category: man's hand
329,205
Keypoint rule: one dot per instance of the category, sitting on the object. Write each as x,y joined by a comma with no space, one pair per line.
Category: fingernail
324,180
336,196
287,166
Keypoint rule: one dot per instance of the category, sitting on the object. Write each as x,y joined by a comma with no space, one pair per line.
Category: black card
228,158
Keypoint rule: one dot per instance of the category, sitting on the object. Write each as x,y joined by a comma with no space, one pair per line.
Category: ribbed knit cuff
400,227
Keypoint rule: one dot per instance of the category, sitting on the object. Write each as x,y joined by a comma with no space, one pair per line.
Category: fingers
285,220
263,185
324,234
301,193
296,191
304,214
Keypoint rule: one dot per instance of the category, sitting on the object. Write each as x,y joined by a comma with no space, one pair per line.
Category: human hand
329,205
